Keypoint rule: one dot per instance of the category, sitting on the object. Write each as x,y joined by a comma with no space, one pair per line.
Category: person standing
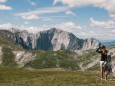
103,61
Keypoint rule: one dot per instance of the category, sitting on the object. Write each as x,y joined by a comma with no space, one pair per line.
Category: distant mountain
109,43
53,39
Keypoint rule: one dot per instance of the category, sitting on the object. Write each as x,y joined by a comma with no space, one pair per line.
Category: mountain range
53,39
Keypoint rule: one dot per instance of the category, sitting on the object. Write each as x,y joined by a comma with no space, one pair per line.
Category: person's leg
106,74
101,69
106,70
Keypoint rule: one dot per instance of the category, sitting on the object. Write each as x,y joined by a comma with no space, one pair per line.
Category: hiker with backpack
103,61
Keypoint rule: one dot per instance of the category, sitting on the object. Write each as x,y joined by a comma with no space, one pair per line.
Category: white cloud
113,31
102,36
102,24
77,3
46,10
6,26
30,29
56,1
68,26
32,3
4,7
30,17
109,6
47,19
89,34
26,22
106,4
2,1
70,13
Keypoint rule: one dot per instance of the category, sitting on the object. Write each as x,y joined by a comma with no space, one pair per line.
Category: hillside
6,48
15,55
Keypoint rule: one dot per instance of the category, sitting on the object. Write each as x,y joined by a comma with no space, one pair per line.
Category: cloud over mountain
102,24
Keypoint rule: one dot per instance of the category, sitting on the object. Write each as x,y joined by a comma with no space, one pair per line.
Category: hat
103,46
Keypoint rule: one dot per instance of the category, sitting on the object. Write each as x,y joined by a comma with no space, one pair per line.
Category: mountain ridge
53,39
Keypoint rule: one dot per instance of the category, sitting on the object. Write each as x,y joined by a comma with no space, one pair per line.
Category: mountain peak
14,30
55,30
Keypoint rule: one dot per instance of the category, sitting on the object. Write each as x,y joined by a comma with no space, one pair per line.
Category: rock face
21,57
53,39
56,39
90,43
1,54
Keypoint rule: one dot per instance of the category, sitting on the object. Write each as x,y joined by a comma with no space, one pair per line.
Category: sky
84,18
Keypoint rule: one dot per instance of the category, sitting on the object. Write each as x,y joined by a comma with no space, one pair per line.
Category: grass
8,58
23,77
54,59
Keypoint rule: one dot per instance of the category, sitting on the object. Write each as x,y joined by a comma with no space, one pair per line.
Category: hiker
103,61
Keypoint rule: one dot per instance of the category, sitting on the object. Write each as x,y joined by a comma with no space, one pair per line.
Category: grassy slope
61,59
21,77
8,46
54,59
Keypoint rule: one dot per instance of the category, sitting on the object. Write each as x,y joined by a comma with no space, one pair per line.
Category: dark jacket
103,55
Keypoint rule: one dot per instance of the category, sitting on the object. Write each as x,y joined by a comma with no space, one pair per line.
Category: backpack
108,57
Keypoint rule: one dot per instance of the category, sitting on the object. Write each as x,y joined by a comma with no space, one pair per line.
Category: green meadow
51,77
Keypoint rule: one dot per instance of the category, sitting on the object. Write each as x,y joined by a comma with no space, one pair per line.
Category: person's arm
98,50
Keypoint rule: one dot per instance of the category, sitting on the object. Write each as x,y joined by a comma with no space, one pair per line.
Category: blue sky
84,18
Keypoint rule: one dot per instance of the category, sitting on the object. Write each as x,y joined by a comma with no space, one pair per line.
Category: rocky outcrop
92,62
25,39
53,39
1,54
22,57
90,43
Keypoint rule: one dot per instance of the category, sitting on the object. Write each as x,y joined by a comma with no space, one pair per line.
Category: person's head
103,47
